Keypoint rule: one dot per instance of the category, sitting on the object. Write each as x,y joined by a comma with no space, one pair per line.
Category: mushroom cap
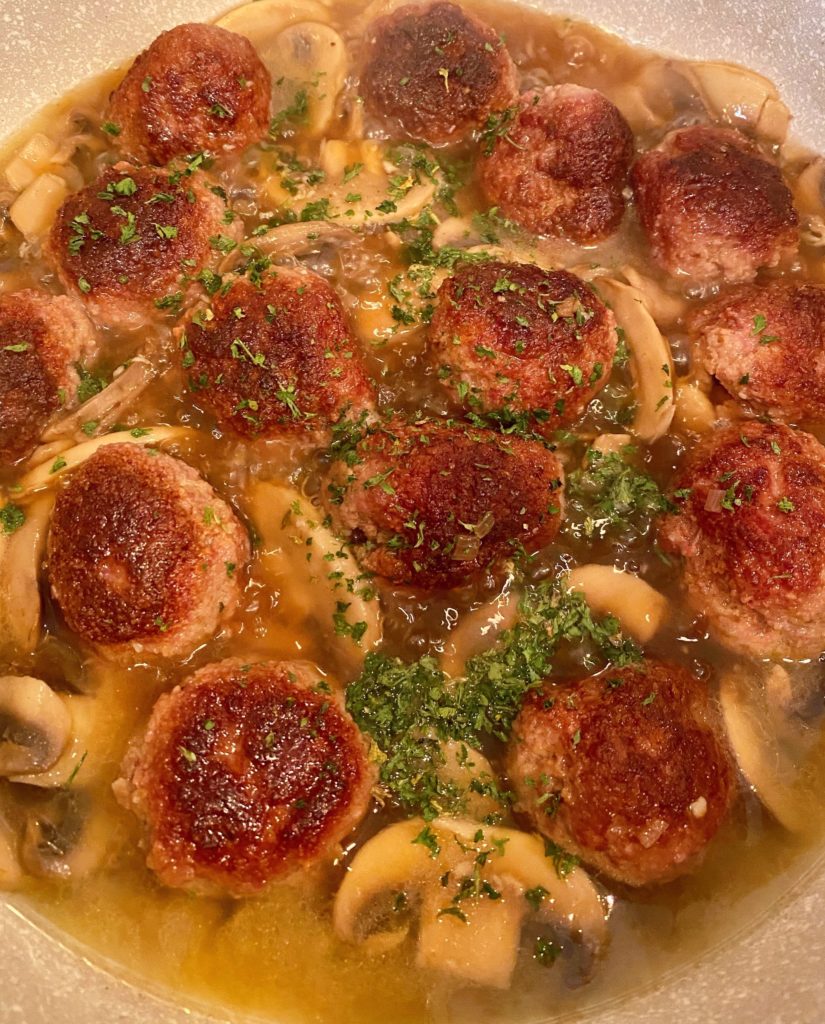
35,725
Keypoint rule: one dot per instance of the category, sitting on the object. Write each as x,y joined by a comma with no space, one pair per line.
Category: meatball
41,338
275,357
514,337
433,505
136,239
435,72
765,343
246,773
196,88
752,533
559,166
143,554
712,206
628,770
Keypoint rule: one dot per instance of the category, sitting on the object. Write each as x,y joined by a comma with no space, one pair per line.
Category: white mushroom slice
651,362
481,946
388,863
609,444
21,554
90,736
739,96
35,725
477,875
665,308
147,437
462,765
311,56
763,759
302,53
317,577
694,410
262,20
479,629
303,238
29,161
640,609
34,210
69,838
108,405
808,197
570,897
11,874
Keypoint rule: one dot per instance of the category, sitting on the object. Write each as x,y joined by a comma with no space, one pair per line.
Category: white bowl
770,974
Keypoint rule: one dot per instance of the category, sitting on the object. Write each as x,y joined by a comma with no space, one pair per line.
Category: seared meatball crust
560,165
246,773
42,337
765,343
433,505
713,207
144,557
752,534
435,72
137,236
276,358
197,88
629,770
511,336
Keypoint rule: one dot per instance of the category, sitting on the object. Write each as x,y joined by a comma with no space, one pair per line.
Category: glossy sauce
276,956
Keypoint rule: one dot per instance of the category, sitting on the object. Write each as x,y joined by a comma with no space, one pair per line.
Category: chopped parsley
12,518
608,495
410,710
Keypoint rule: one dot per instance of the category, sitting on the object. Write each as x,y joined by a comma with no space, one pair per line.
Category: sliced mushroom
35,725
11,873
609,444
739,96
87,733
608,590
45,474
479,629
484,878
317,577
694,410
21,554
303,53
765,757
665,308
482,945
470,771
34,210
262,20
651,362
303,239
109,405
67,837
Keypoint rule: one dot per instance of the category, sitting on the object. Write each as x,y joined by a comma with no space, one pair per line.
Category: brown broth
276,956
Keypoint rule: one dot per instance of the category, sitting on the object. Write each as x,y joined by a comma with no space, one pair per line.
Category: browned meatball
196,88
628,770
246,773
514,337
276,358
143,554
433,505
41,338
765,343
435,72
135,237
559,167
713,206
752,533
